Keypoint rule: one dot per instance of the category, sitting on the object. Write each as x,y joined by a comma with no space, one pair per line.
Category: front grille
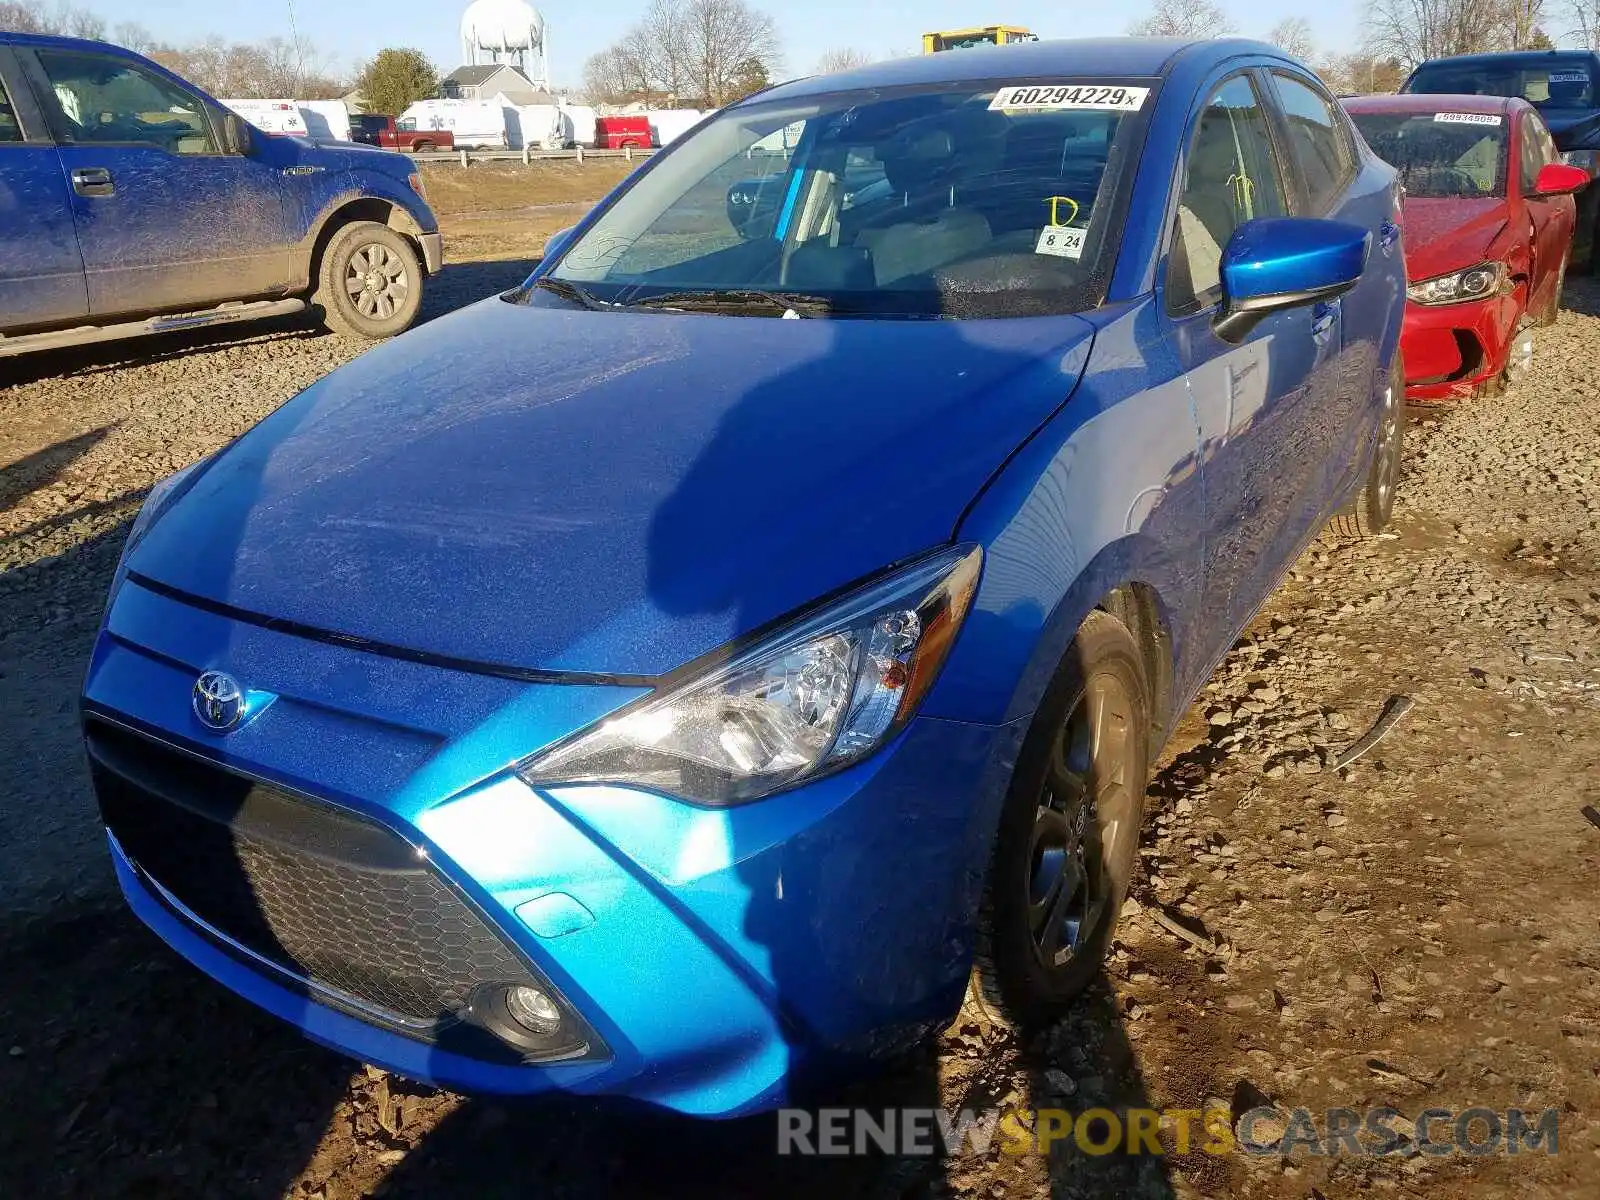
326,896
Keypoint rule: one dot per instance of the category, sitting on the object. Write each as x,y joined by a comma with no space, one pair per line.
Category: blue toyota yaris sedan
712,660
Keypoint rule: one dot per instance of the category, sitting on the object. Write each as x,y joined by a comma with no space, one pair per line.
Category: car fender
407,213
1105,496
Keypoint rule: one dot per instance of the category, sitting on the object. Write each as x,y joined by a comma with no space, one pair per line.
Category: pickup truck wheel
1069,833
370,284
421,147
1373,505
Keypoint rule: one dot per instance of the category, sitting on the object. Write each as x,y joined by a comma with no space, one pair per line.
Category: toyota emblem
219,701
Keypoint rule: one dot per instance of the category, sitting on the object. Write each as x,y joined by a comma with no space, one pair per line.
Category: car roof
1508,58
1077,58
1426,102
54,39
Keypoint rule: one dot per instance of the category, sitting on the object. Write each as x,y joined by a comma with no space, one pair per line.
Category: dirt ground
1420,929
497,211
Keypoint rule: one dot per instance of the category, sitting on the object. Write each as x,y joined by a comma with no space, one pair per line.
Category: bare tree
1360,73
1415,30
134,36
23,17
843,59
1585,18
1183,19
1520,23
687,51
1293,36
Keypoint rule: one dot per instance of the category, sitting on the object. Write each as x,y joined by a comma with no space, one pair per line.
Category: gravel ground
1420,929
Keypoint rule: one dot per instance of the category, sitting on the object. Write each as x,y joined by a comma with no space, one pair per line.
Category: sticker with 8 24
1064,241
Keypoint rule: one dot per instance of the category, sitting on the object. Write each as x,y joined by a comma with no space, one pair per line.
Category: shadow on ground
458,284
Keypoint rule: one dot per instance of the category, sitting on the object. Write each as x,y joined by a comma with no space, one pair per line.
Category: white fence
466,157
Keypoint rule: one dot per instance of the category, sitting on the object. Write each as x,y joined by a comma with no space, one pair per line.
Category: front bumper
432,252
1450,349
716,955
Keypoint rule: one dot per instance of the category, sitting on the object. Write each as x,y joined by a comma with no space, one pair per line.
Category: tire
388,292
421,147
1373,505
1069,833
1552,312
1519,356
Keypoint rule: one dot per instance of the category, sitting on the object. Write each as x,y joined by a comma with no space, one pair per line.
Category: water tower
506,31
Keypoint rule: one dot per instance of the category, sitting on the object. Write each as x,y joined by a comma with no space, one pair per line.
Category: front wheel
1373,506
1552,311
1069,832
370,282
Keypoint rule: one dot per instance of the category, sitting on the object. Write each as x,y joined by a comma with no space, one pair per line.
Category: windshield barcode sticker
1036,97
1064,241
1468,118
1568,77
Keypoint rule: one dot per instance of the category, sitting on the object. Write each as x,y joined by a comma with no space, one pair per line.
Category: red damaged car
1488,219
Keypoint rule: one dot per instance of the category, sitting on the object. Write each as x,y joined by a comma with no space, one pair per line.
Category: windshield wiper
571,291
795,304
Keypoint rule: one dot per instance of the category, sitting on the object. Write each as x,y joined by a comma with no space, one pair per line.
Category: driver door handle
93,181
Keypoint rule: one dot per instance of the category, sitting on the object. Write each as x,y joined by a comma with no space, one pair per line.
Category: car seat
923,169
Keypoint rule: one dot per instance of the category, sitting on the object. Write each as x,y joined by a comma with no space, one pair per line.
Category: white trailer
271,116
326,120
476,124
667,124
578,125
536,126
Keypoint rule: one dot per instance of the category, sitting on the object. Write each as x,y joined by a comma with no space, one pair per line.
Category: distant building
489,80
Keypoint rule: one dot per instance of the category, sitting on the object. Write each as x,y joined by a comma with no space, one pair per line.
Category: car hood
553,489
353,156
1573,128
1447,234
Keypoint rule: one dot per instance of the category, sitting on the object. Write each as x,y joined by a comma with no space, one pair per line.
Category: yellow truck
981,35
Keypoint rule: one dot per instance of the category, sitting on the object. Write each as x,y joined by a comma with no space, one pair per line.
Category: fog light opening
533,1010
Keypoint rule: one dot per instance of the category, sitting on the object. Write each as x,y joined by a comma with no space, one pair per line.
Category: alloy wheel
1388,448
1085,814
377,281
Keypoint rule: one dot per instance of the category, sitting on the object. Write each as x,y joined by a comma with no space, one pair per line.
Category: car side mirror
1559,179
1275,263
557,242
235,134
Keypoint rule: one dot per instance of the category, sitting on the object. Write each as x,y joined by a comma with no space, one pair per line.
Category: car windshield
970,200
1550,84
1443,153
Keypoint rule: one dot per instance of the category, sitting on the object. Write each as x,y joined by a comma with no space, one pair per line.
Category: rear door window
1322,149
10,129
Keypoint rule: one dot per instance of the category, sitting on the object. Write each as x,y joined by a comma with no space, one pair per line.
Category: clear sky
349,31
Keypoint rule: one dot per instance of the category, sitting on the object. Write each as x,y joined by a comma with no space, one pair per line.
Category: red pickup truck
376,130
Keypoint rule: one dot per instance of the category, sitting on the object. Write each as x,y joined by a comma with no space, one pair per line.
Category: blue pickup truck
132,203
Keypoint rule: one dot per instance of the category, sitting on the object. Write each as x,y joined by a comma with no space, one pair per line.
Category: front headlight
156,502
1474,283
809,700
